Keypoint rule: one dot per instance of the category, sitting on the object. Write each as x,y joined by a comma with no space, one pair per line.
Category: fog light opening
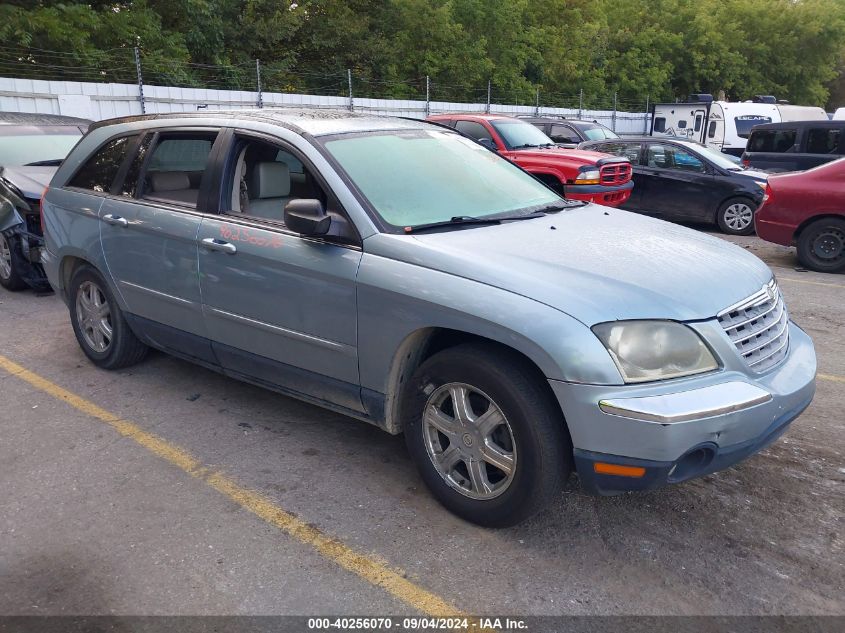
692,464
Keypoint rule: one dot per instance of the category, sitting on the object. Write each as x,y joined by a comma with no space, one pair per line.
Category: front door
676,184
149,232
280,309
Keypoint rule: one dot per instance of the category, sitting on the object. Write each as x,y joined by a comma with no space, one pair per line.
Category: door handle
115,220
213,244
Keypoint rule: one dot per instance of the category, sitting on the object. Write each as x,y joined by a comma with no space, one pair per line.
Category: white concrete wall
103,101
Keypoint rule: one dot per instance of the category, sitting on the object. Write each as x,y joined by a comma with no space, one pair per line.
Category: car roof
36,119
648,139
313,121
472,115
559,119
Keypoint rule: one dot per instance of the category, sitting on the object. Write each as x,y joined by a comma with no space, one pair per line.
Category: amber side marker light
615,469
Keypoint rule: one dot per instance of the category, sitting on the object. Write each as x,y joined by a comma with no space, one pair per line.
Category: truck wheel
821,246
485,434
99,325
736,216
10,262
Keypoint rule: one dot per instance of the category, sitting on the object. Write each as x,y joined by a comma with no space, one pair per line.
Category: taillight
41,209
746,163
767,194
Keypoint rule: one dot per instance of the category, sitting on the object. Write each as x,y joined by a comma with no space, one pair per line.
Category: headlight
655,350
588,176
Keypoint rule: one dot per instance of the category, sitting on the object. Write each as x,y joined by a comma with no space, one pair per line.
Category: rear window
745,122
99,171
777,141
823,141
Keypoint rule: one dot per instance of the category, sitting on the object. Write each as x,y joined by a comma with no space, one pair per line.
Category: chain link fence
256,84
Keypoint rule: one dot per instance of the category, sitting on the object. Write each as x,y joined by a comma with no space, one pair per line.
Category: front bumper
646,436
609,196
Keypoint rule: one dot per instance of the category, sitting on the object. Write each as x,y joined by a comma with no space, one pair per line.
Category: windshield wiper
465,220
54,162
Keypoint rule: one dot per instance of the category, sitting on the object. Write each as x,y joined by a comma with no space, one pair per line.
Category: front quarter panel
398,299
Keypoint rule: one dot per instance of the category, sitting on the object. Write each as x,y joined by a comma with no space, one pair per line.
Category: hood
752,174
30,181
573,155
594,263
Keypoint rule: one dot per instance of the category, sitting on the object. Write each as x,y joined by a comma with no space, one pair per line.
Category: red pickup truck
577,174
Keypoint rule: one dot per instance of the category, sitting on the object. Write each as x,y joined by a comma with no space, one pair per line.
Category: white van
724,125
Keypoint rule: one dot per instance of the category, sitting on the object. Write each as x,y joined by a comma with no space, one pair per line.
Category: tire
821,245
11,260
530,438
736,216
98,322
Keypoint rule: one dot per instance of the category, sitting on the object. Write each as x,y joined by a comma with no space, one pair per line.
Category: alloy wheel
93,314
469,441
5,258
738,216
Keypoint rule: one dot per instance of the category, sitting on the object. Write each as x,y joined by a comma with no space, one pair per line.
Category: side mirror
307,216
488,143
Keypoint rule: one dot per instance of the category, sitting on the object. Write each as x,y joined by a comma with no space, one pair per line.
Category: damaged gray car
32,146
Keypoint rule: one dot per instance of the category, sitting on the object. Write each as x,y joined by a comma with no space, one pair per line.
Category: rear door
280,308
149,232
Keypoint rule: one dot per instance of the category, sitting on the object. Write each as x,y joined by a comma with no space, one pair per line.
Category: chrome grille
759,327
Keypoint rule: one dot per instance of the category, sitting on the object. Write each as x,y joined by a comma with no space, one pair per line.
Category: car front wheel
821,246
99,324
10,277
736,216
486,435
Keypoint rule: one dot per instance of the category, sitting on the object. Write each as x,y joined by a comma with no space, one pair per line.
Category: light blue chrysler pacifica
399,273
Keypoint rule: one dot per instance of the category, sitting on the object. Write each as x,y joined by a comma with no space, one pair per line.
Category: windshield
424,176
598,133
518,134
22,149
725,161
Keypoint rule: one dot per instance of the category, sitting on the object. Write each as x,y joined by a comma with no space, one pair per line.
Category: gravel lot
91,522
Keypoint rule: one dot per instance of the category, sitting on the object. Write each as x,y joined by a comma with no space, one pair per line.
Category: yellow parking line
831,377
813,283
369,569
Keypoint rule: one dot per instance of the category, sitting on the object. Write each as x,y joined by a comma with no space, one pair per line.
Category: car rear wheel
821,246
736,216
486,435
10,277
99,324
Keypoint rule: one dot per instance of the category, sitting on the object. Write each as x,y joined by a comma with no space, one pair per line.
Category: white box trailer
724,125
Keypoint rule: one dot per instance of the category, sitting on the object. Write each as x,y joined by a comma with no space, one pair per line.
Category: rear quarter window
99,171
823,140
776,141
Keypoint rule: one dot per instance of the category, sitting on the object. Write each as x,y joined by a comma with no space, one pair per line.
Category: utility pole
489,88
614,112
140,79
427,96
581,104
349,81
258,82
537,103
646,118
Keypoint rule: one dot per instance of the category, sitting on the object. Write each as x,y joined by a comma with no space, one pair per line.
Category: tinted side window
777,141
564,134
130,183
631,151
660,124
473,130
698,122
176,167
671,157
822,141
682,124
99,172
